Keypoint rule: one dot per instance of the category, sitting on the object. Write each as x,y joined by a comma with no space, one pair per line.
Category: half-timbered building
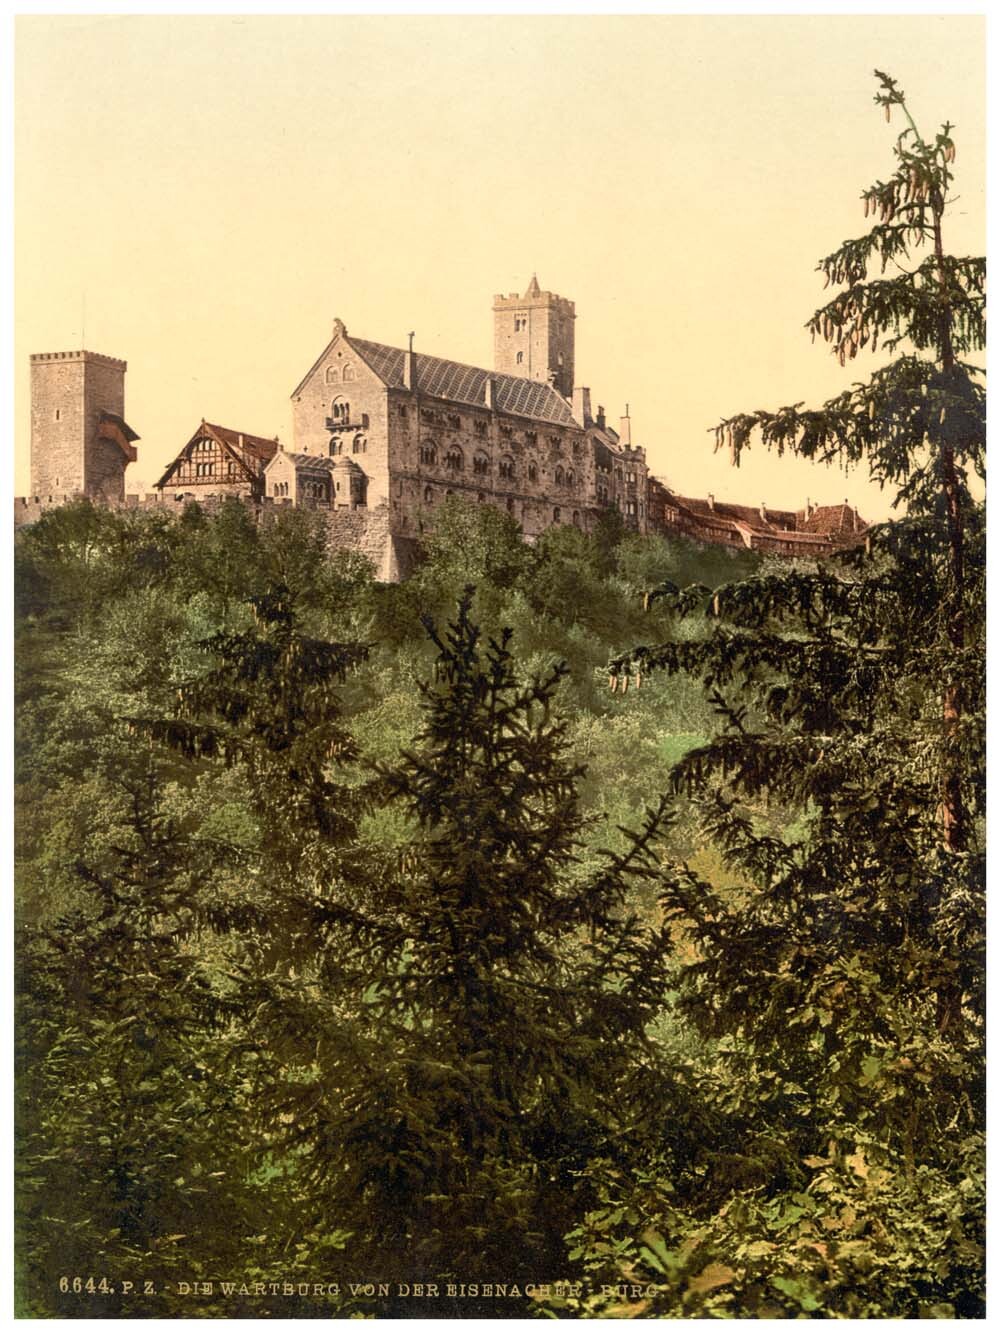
218,461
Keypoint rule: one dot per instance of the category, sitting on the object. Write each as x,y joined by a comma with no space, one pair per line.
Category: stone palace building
382,435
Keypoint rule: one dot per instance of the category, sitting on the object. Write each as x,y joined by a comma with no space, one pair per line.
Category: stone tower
533,336
80,443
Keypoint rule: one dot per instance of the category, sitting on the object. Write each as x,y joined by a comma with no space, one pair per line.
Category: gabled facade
421,428
218,461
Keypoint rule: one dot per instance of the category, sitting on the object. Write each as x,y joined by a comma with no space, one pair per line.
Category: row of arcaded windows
338,374
280,488
455,460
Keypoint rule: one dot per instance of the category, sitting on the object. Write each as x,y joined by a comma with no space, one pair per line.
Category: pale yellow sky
202,195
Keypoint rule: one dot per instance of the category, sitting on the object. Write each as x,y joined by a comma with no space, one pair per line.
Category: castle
382,435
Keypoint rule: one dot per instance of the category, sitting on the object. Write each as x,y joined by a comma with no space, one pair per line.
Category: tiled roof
256,445
780,519
827,523
466,384
834,519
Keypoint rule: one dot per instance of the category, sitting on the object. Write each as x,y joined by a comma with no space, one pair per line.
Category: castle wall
534,470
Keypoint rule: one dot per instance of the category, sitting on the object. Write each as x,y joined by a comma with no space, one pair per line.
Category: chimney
581,407
625,433
711,502
600,417
763,512
409,367
489,391
809,508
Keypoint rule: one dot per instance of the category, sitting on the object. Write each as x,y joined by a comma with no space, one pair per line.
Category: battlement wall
99,357
365,530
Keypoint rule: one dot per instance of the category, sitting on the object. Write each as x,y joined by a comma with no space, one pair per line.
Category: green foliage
839,993
364,952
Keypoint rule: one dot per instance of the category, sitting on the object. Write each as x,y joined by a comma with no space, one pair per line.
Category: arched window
348,373
428,452
569,478
360,445
340,411
520,358
510,505
559,475
481,464
576,518
454,459
506,468
332,375
556,514
532,472
428,494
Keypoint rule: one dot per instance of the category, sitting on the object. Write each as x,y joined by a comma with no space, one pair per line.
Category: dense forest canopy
378,934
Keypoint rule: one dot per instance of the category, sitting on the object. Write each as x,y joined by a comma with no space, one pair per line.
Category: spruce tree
511,992
838,980
447,1036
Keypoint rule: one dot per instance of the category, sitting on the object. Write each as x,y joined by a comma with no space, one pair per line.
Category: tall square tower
533,336
80,443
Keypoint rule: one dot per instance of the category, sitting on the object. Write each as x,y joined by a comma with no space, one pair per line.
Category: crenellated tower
533,337
80,442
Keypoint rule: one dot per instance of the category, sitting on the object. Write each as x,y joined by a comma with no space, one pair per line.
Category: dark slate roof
466,384
312,462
